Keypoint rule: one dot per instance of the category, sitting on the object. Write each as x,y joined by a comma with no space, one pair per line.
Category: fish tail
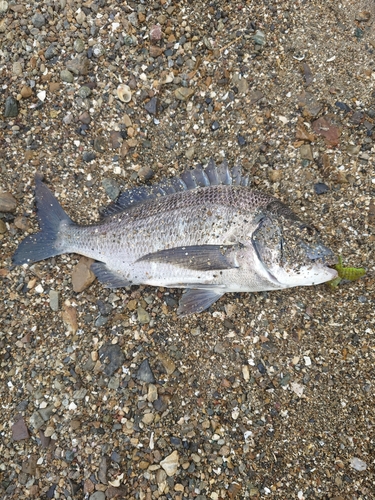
52,217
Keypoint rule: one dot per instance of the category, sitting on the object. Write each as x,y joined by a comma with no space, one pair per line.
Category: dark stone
88,156
215,125
38,20
144,373
105,308
321,188
241,140
152,106
51,491
357,117
112,357
11,107
342,106
112,189
50,52
100,144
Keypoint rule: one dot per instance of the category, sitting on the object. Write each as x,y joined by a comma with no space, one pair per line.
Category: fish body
205,231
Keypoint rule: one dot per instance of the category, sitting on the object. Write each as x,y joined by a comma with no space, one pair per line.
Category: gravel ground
107,394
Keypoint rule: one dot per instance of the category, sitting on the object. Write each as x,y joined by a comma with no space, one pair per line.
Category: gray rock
66,76
111,357
79,45
7,202
111,188
80,65
152,106
38,20
84,92
88,156
36,421
143,316
54,300
144,373
11,107
50,52
98,495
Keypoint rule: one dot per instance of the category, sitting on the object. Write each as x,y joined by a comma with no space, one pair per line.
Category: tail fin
43,245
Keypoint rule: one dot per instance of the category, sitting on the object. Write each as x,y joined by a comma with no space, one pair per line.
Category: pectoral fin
109,278
196,301
197,257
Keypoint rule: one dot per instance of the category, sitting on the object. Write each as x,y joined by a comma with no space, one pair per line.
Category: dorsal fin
212,175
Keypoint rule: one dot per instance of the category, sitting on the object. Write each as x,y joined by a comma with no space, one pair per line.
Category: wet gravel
107,393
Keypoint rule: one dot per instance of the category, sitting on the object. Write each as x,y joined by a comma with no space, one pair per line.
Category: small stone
259,37
17,68
215,125
79,45
306,152
170,463
302,133
255,96
21,222
115,139
100,144
80,65
38,20
111,188
325,127
84,92
275,175
167,363
143,316
36,421
7,202
242,86
85,117
155,51
148,418
98,50
145,173
152,393
144,373
311,107
133,19
3,6
19,430
155,33
69,317
26,92
183,93
54,300
98,495
342,106
11,107
152,106
111,357
3,227
66,76
42,95
363,16
353,150
358,464
189,153
50,52
82,276
241,140
88,156
321,188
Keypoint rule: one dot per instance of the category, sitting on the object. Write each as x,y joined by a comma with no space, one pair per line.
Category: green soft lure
346,273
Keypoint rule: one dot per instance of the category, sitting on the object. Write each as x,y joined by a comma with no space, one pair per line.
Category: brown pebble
69,317
8,203
29,154
19,430
21,222
156,51
26,92
115,139
82,276
3,227
85,117
275,175
54,86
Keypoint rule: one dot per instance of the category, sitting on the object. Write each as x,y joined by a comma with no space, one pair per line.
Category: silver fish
205,231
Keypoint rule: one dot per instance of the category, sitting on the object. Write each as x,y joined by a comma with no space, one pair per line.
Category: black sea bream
206,231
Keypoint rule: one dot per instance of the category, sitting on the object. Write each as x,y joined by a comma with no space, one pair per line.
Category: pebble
167,363
358,464
183,93
8,203
144,373
100,144
241,140
84,92
152,393
3,6
215,125
54,300
111,357
79,45
17,68
82,276
19,430
143,316
321,188
11,107
66,76
88,156
98,495
145,173
155,33
3,226
189,153
152,106
111,188
306,152
69,317
259,37
170,463
26,92
38,20
50,52
21,222
79,65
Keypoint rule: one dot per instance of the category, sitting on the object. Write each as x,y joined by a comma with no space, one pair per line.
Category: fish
206,231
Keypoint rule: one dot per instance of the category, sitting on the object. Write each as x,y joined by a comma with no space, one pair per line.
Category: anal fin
109,278
196,301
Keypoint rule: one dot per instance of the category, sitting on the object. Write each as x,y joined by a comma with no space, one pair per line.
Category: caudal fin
44,244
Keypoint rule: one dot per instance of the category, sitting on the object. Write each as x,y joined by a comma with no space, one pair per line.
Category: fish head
291,251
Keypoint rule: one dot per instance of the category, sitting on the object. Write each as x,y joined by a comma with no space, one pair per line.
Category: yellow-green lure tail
346,273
